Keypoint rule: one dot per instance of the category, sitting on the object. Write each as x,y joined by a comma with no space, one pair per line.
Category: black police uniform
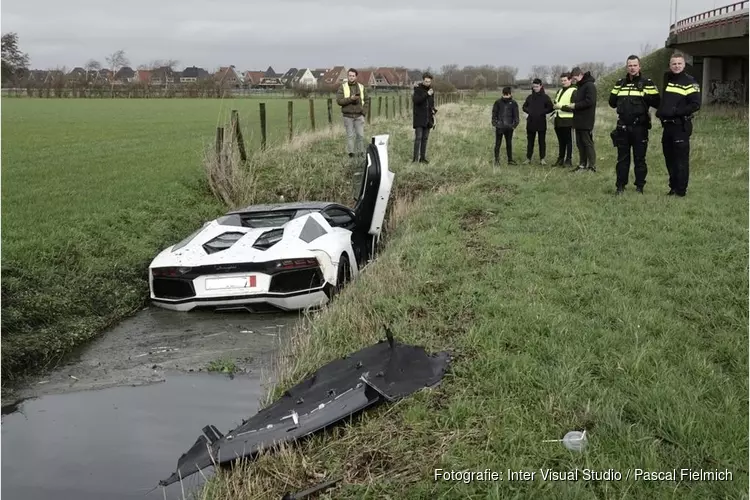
632,96
680,99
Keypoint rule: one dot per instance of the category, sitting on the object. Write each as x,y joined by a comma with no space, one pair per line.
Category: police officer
679,101
631,97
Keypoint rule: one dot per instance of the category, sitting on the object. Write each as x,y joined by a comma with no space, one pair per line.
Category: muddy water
114,422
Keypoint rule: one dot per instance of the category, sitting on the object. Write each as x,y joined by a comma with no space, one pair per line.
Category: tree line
450,77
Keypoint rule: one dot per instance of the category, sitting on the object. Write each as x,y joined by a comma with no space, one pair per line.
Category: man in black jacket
583,106
537,106
505,119
679,101
423,116
631,97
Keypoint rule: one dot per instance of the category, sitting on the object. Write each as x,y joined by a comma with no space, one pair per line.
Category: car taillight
169,271
296,263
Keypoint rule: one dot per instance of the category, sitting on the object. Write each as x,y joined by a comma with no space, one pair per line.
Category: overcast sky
321,33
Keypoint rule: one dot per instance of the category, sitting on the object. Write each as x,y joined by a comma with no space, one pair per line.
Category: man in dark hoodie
505,119
537,106
423,116
583,106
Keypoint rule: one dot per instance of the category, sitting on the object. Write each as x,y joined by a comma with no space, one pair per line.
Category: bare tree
13,60
116,61
93,65
557,70
447,71
164,63
597,69
538,71
646,49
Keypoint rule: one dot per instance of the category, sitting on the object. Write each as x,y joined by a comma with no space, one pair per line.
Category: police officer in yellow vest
564,122
351,98
631,97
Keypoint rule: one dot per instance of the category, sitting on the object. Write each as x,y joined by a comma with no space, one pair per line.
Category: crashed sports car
286,256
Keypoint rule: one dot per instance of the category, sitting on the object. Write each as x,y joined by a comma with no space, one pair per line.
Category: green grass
92,190
567,309
223,365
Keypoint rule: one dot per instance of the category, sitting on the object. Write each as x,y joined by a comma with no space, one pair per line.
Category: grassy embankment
93,189
567,308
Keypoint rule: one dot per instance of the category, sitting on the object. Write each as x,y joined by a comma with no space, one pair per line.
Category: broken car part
386,371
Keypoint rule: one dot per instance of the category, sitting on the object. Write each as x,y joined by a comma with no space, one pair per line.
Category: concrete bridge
716,44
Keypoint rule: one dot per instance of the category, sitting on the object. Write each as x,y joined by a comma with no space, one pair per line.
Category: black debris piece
386,371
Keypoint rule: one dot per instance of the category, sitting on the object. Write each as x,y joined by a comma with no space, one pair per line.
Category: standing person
505,119
537,106
564,122
680,99
351,98
631,97
423,116
583,106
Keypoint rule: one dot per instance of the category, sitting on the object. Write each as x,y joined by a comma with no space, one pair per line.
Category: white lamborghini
284,256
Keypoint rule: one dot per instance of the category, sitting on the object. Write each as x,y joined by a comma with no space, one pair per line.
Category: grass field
92,190
567,309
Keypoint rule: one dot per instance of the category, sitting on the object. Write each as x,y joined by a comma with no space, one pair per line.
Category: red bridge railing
720,15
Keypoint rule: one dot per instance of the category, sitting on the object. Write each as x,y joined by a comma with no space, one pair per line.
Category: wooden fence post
330,111
290,119
219,143
262,126
369,109
380,105
237,133
312,114
400,106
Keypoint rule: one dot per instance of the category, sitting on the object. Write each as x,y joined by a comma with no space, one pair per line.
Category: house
192,74
367,78
270,73
77,74
288,77
334,76
164,75
125,75
142,76
304,78
319,73
253,78
228,76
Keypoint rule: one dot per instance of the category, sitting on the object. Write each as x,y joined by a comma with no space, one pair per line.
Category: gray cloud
320,33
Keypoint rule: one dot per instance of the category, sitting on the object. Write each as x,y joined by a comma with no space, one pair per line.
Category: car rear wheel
344,273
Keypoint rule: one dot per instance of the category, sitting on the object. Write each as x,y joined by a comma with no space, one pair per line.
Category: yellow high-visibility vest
563,98
361,92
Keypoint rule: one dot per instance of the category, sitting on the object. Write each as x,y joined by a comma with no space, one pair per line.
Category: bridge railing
718,15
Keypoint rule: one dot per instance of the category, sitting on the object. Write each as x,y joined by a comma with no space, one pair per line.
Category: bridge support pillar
706,82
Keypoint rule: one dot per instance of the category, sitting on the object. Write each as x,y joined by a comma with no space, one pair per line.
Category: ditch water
114,422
